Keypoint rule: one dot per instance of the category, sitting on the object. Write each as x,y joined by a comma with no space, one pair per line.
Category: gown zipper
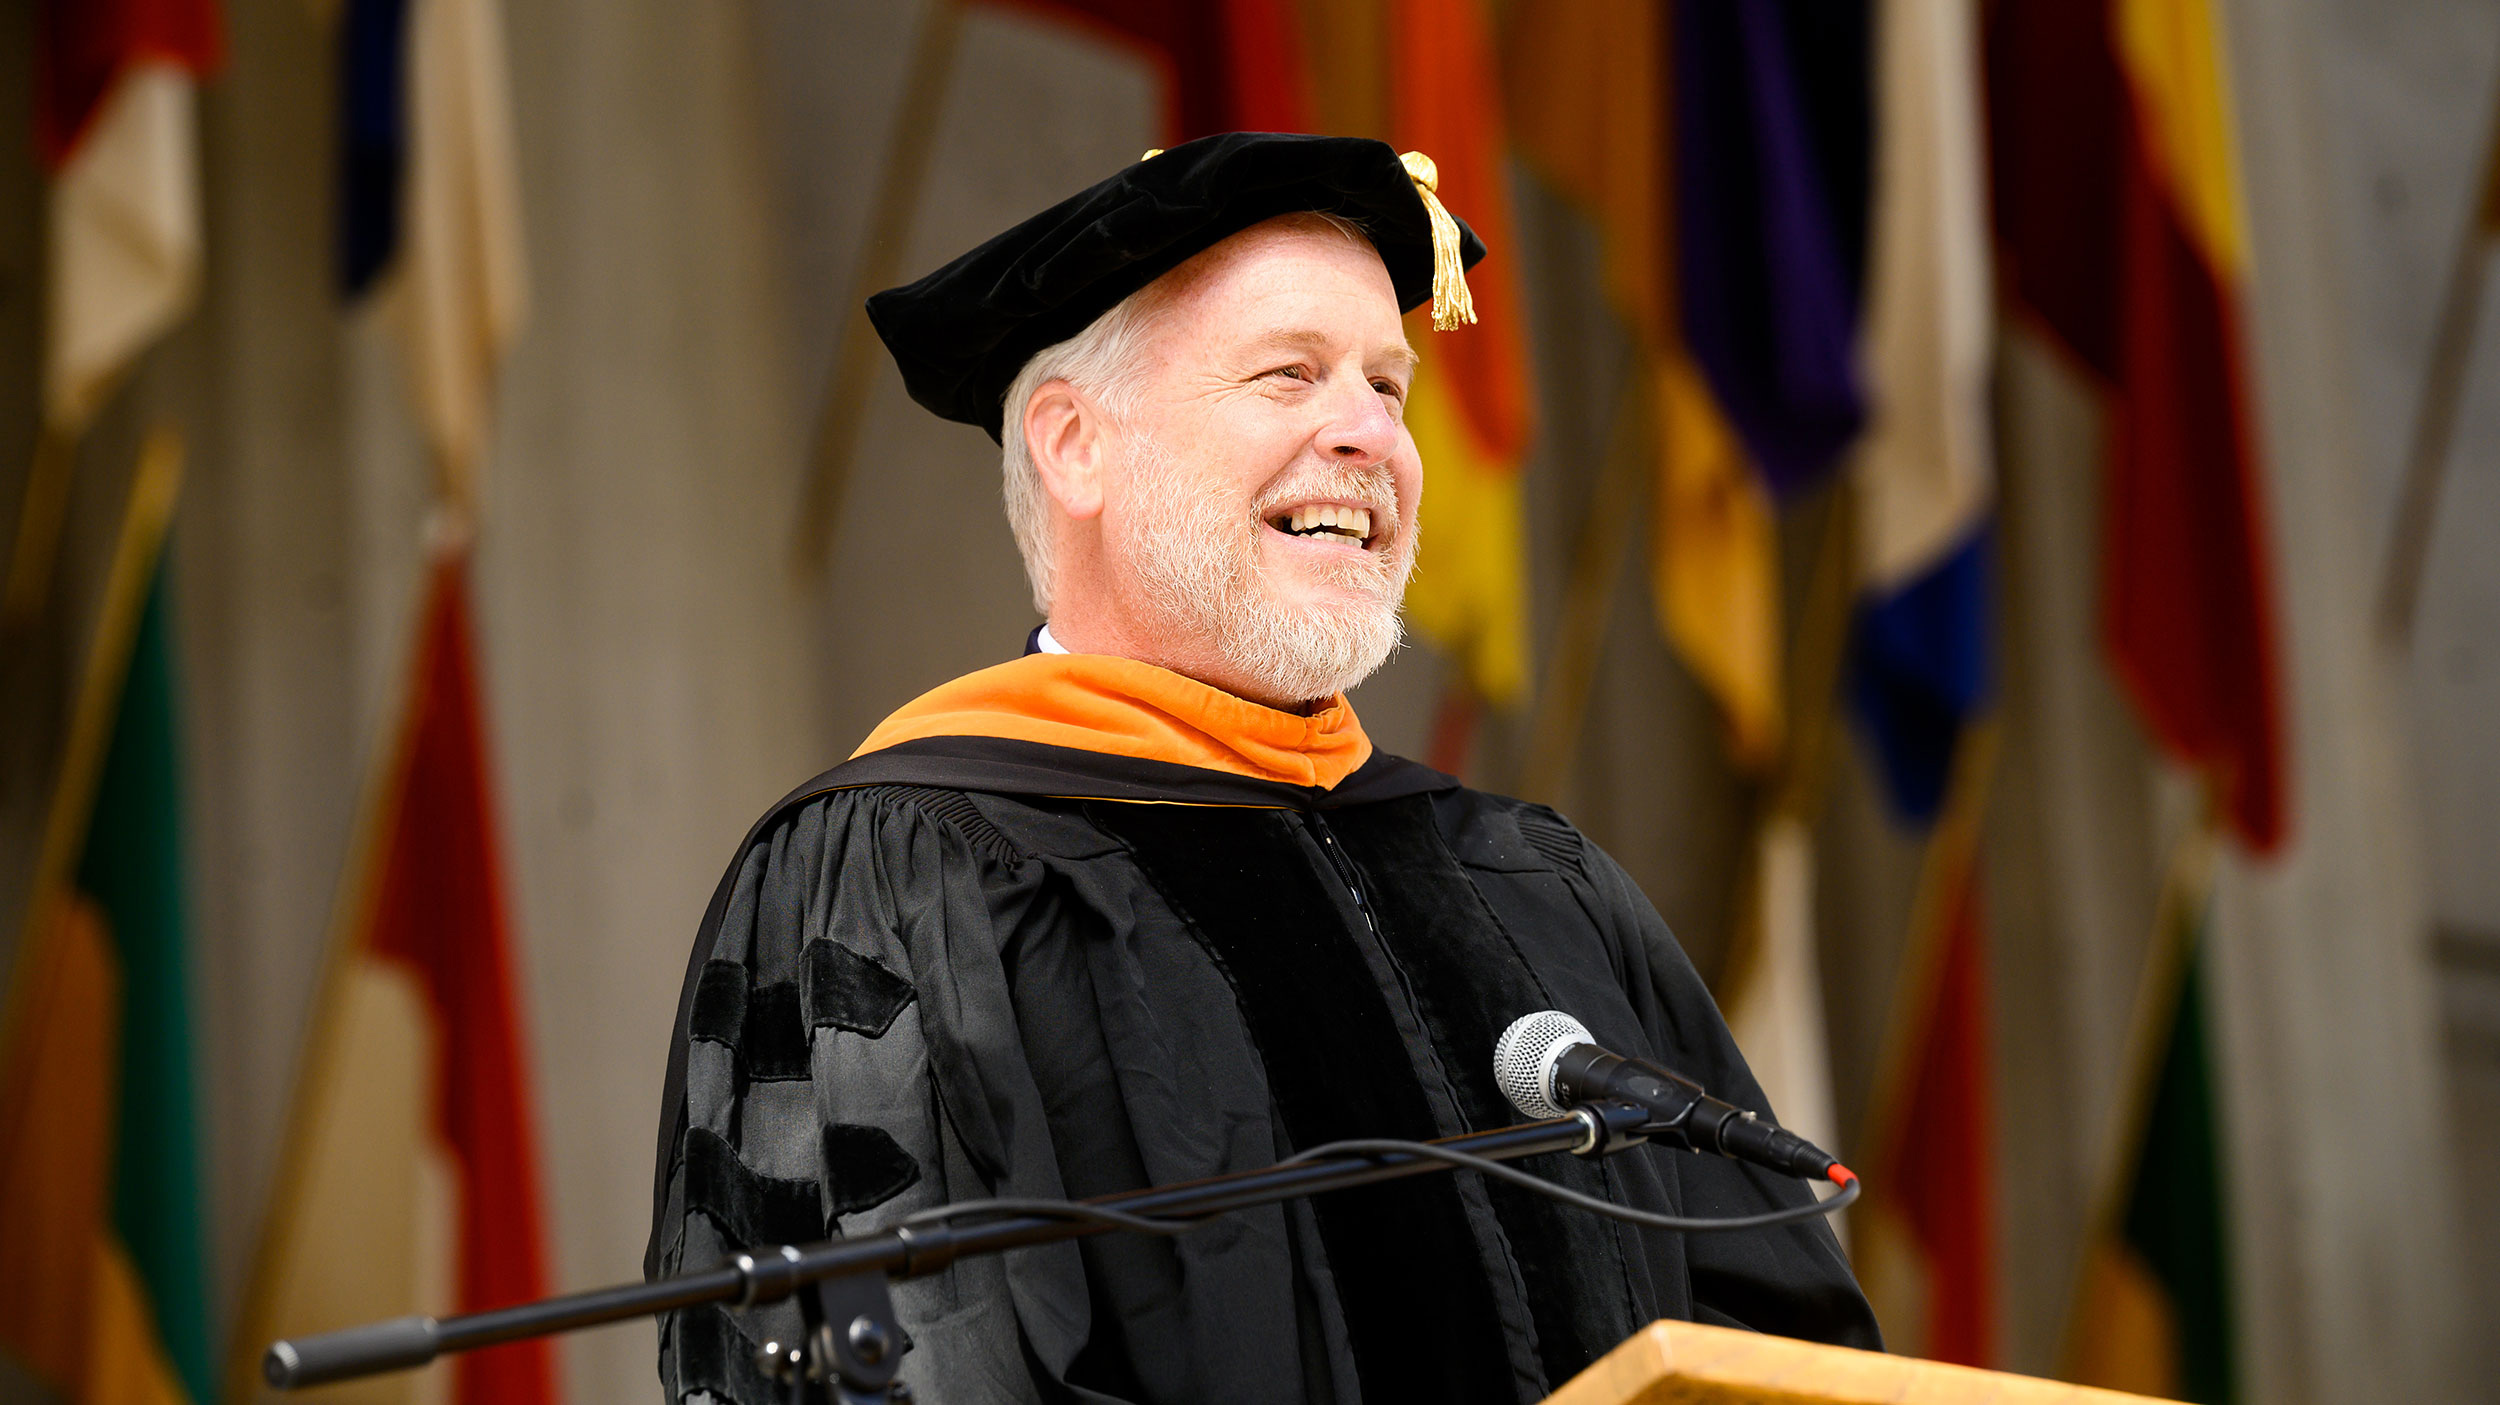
1317,823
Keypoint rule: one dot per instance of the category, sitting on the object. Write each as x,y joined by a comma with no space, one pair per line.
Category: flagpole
1951,851
2435,423
41,510
1588,599
350,913
1795,790
2187,884
897,199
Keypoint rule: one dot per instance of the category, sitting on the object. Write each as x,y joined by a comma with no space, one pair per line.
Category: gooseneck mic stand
852,1346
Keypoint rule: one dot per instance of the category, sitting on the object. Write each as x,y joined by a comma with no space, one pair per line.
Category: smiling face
1248,518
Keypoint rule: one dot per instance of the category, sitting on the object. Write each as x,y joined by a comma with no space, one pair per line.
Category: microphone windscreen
1523,1060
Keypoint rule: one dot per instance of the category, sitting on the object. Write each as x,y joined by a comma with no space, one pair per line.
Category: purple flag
1770,192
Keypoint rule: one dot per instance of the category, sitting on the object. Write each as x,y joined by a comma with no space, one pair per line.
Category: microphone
1548,1063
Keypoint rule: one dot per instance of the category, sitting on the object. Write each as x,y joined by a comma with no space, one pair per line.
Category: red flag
413,1137
83,47
2116,215
1229,65
1927,1236
439,910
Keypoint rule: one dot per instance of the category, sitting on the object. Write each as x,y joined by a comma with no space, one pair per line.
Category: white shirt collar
1048,644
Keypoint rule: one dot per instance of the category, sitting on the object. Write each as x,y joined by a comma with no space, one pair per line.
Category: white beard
1200,563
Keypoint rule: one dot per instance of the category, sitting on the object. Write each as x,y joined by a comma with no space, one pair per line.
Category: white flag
1923,473
461,288
1775,1004
125,239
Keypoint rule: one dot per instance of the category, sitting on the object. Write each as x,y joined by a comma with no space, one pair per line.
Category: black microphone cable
1541,1062
1376,1148
1048,1210
1382,1148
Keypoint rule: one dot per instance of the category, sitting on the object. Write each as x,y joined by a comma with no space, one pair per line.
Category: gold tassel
1452,305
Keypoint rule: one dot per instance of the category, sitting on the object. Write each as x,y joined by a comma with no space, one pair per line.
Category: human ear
1064,432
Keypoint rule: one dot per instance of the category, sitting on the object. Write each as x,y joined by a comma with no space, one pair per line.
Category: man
1146,906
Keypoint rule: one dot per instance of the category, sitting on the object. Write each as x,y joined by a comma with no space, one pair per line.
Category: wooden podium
1685,1363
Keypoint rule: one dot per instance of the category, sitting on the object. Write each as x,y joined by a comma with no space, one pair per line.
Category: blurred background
1989,511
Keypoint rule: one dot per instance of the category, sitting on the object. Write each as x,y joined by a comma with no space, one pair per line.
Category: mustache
1371,485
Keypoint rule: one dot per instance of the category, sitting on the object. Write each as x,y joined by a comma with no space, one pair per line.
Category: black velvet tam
962,333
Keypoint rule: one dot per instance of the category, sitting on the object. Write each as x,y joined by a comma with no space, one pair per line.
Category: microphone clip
1611,1125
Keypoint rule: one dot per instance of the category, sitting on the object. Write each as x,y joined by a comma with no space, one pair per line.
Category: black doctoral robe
931,975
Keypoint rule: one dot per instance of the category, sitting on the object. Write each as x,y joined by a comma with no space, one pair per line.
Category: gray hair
1108,362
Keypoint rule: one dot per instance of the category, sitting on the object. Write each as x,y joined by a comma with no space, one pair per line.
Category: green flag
2155,1314
103,1289
131,869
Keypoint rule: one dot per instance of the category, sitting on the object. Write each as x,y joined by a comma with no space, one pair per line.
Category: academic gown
964,966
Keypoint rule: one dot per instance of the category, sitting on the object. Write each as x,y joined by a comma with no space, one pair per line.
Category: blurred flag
429,205
1721,149
409,1181
116,124
1917,674
1923,476
1925,1239
1769,114
1587,91
1472,399
2118,225
1588,88
2132,258
1924,473
103,1297
1774,985
1770,187
116,127
2154,1316
1228,65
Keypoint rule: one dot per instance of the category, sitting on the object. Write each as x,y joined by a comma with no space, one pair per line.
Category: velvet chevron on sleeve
811,1102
